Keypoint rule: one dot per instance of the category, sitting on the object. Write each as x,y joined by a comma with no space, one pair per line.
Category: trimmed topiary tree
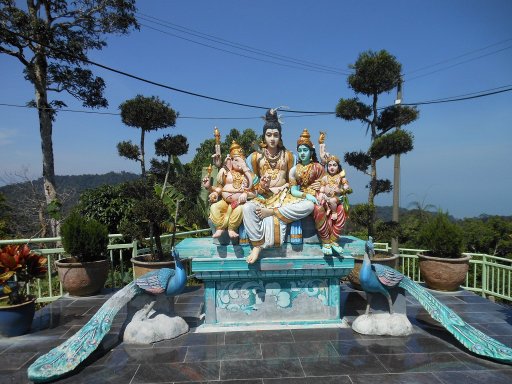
376,73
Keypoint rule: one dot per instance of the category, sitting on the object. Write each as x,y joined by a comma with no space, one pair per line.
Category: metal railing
488,275
50,289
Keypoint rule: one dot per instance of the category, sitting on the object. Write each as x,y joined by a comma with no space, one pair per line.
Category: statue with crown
273,191
276,254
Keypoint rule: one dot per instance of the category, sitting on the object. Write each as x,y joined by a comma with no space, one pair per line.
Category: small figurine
334,186
233,188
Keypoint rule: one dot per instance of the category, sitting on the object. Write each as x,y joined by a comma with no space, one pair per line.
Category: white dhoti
271,231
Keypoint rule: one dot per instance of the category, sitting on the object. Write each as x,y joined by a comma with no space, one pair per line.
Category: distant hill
70,186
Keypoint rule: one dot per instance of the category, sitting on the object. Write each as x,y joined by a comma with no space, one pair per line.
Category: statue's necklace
333,181
272,163
304,174
238,179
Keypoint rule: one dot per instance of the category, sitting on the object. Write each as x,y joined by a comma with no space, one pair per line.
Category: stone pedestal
379,321
289,285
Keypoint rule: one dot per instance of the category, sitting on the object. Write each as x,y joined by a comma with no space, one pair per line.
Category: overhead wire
236,45
151,81
178,117
458,57
307,113
242,55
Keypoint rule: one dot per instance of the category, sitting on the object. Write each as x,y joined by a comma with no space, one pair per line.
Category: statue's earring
262,145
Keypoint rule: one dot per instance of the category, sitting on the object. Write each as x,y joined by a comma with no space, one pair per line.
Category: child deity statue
233,188
334,186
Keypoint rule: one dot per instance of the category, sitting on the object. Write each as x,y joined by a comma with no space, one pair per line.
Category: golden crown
305,139
236,150
333,158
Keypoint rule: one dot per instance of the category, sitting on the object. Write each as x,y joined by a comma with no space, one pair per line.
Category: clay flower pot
82,278
443,274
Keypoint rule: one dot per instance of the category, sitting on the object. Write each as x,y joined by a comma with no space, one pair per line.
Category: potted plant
443,267
152,215
85,240
19,266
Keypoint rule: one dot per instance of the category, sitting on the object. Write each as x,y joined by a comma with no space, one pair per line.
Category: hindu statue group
272,188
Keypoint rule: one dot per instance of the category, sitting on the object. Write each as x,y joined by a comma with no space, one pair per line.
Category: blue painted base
289,285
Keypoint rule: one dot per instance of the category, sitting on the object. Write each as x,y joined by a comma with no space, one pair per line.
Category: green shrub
84,239
442,237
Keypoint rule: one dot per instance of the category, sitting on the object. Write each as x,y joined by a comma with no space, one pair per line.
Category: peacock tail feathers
473,339
155,281
77,348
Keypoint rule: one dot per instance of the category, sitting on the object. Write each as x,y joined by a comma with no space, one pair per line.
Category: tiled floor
298,356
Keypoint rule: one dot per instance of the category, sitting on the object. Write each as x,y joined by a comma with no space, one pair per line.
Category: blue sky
461,158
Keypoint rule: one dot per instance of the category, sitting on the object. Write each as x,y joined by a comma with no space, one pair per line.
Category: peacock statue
77,348
376,278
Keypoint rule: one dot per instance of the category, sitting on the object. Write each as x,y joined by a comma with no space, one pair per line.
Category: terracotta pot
380,258
443,274
16,320
143,264
82,279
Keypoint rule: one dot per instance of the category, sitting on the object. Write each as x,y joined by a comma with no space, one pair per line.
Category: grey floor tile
475,362
301,349
190,339
12,361
177,372
323,334
144,356
254,337
422,362
36,345
14,377
485,317
494,329
310,380
343,365
422,344
476,377
102,375
397,378
253,369
223,352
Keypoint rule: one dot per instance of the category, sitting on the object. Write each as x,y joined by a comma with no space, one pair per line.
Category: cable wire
154,82
457,57
330,72
232,44
460,63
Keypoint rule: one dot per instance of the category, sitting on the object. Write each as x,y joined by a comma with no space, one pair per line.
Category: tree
376,73
51,39
171,147
248,140
148,114
5,218
107,205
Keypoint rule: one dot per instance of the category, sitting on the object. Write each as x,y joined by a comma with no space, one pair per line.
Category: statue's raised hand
206,182
217,161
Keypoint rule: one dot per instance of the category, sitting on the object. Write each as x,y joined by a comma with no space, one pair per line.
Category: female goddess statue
265,217
302,178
